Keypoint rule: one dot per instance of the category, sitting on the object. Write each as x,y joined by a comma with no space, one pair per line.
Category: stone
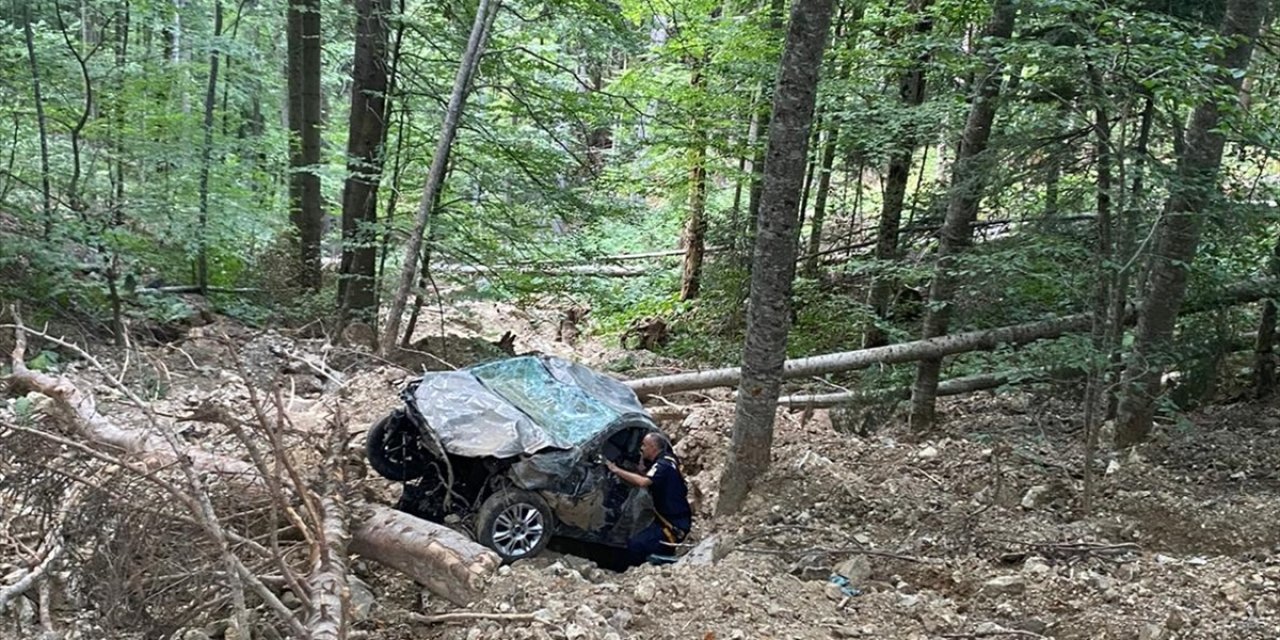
1035,497
1151,632
1006,584
1035,565
646,590
574,631
587,617
620,619
857,569
362,600
989,629
289,599
1175,622
194,634
928,453
833,592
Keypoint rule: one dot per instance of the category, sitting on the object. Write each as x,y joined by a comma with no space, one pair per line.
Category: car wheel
517,524
393,451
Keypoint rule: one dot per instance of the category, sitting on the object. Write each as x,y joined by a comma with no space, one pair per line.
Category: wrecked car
513,450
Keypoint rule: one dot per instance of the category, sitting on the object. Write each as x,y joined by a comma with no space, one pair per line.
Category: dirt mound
974,533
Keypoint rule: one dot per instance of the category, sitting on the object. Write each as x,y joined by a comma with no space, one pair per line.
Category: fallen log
597,270
446,562
952,387
850,360
986,339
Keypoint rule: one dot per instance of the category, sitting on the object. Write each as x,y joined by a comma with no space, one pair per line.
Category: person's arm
630,477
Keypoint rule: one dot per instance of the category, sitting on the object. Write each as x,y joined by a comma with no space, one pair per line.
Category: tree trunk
911,91
774,262
812,259
485,14
761,122
968,180
1104,278
357,297
41,123
695,229
1178,232
939,347
952,387
210,95
305,204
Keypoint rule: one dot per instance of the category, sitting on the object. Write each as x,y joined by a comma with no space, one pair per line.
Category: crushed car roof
520,405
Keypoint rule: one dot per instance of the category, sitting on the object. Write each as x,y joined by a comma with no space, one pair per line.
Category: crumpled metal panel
520,406
473,422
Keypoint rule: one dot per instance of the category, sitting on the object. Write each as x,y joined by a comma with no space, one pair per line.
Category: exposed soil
972,531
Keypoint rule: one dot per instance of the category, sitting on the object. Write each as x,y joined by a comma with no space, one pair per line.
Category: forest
960,314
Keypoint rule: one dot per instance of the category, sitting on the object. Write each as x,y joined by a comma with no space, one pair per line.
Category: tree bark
357,297
486,11
968,180
774,263
952,387
695,229
41,122
911,91
206,152
306,210
1104,279
812,259
1178,232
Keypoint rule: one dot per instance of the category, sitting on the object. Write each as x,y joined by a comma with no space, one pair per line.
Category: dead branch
470,616
835,551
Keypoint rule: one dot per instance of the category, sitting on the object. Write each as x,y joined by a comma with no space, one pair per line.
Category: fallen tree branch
995,632
941,346
446,562
470,616
952,387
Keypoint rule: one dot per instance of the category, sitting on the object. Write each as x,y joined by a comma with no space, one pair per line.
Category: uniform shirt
669,492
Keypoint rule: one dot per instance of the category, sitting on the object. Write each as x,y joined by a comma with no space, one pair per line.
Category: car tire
393,451
516,524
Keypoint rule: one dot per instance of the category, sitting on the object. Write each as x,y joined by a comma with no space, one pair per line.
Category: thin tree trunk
694,237
911,91
41,122
356,295
812,259
306,210
1125,249
776,9
485,14
811,166
1264,359
968,180
1178,233
206,153
1104,277
774,262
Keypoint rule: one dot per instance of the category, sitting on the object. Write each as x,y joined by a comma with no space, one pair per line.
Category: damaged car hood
519,405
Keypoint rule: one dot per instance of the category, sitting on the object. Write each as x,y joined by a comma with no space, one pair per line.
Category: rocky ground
973,531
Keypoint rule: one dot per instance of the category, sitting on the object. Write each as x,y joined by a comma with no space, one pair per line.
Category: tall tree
1178,232
911,91
356,292
774,260
486,12
968,181
694,237
305,205
41,122
206,151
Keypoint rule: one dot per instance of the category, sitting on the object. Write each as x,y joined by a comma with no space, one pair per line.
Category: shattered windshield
520,406
565,411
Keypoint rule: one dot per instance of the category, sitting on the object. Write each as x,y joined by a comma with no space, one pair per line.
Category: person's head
654,445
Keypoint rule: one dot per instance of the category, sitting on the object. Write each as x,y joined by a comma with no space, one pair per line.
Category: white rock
1034,497
1036,565
1151,632
928,453
1006,584
646,590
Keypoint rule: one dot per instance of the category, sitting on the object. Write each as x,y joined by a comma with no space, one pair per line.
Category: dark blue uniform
673,518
